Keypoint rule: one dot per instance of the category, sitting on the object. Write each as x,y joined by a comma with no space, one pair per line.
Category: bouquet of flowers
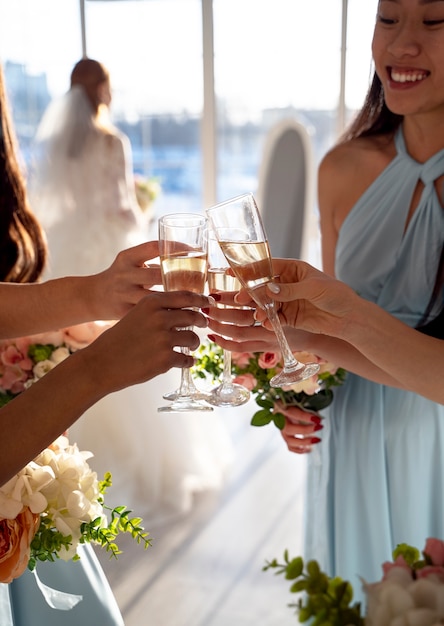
254,370
147,190
56,502
411,590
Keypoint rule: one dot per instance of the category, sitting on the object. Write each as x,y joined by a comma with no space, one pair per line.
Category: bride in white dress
82,190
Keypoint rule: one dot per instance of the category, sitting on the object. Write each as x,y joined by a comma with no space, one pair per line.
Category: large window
272,59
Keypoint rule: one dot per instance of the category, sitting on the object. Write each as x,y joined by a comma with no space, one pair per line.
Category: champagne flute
227,393
183,263
238,227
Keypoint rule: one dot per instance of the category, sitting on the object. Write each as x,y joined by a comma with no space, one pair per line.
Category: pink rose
307,357
54,338
15,542
15,365
399,562
434,549
246,380
310,386
437,571
80,336
13,379
267,360
241,359
327,367
11,355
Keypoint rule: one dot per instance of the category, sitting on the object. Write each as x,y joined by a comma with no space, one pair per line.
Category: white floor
206,568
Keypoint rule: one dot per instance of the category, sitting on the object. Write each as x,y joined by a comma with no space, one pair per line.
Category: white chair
286,190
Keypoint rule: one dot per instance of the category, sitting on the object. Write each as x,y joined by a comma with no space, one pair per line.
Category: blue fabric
22,604
379,480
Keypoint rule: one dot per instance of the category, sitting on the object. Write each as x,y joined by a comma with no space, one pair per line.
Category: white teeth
406,78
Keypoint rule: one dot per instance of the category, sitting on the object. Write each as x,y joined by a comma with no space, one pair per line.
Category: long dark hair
374,118
23,250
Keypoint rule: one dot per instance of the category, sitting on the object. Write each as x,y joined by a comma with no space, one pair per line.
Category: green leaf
5,397
294,568
279,420
264,403
261,418
320,400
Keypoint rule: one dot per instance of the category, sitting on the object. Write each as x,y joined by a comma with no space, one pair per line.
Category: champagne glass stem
187,387
290,363
226,377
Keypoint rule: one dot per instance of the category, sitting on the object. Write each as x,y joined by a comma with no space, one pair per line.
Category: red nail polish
205,311
211,337
315,419
318,427
315,440
216,296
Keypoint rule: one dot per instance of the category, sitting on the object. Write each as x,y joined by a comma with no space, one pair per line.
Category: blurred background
196,83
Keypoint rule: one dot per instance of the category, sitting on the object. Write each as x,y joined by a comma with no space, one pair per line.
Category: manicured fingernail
215,296
212,300
315,419
315,440
211,337
274,288
318,427
205,311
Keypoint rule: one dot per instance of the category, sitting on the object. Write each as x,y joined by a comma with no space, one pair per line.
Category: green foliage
325,601
210,364
49,542
120,522
5,397
411,555
40,352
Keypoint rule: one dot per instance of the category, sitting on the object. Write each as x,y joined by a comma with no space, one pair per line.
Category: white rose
401,601
60,354
42,367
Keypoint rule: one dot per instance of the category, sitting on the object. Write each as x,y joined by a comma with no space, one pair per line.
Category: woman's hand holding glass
238,227
183,263
219,279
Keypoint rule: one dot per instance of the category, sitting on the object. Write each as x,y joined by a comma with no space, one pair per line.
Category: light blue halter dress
377,478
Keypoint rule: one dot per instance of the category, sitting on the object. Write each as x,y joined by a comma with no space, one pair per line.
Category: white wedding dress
88,207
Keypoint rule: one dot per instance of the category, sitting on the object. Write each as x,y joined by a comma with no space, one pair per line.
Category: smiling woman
380,196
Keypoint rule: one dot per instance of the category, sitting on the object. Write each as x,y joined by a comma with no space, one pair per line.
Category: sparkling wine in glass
227,393
239,229
183,263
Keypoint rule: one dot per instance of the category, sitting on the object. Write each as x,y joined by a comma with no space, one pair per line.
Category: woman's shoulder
348,170
362,154
355,164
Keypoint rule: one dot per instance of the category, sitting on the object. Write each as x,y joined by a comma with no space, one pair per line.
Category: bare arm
326,317
365,338
134,350
31,308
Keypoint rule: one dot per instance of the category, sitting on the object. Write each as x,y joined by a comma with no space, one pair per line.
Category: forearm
416,360
33,308
39,415
347,356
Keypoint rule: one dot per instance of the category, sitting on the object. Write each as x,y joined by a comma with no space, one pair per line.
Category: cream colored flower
42,367
60,354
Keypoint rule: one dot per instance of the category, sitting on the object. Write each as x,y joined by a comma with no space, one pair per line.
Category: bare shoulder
349,169
364,157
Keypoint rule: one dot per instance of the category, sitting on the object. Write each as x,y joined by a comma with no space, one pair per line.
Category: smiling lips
407,76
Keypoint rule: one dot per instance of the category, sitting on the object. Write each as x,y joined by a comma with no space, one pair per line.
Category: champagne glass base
289,377
184,405
228,395
197,395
